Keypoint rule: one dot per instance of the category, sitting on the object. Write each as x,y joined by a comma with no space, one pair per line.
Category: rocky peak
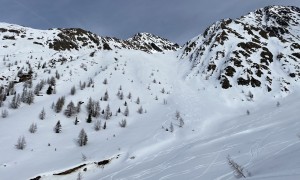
257,51
151,43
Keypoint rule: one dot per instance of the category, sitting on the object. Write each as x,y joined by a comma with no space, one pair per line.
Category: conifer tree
32,128
89,119
57,127
126,111
107,113
82,138
104,126
21,143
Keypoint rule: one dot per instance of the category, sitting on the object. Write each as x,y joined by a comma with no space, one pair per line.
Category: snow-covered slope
78,39
261,134
257,52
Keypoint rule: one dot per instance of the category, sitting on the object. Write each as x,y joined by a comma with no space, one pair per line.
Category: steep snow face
258,52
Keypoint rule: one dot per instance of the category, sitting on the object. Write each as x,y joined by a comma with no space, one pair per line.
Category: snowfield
261,134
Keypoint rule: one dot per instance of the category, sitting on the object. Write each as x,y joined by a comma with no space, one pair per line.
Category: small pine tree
71,109
138,100
129,95
59,104
78,107
16,101
140,110
4,113
73,91
171,127
32,128
82,138
104,126
106,96
177,115
121,96
105,81
57,127
181,122
107,113
97,125
21,143
248,112
89,119
30,97
123,123
126,111
49,90
42,114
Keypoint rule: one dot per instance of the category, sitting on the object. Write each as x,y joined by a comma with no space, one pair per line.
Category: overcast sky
177,20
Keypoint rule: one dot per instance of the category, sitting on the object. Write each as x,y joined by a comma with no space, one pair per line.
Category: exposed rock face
259,50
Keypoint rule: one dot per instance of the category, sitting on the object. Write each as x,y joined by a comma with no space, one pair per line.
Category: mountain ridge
242,52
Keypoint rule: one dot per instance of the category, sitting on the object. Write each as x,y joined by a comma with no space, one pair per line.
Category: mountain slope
258,51
178,125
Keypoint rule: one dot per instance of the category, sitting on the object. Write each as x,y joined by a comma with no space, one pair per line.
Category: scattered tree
123,123
89,119
119,110
105,81
16,101
181,122
177,115
107,113
126,111
106,96
32,128
83,157
138,100
82,138
171,127
93,107
73,90
140,110
21,143
42,114
104,126
4,113
97,125
121,96
57,127
71,109
129,95
49,90
59,104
